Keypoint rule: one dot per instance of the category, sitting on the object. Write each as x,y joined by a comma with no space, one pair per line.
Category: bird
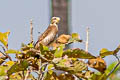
49,34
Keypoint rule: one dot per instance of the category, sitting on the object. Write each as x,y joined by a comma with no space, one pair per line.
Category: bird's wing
51,35
48,35
43,35
51,28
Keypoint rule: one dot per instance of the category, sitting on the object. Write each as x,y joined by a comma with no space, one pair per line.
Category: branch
41,74
2,53
9,57
87,39
27,74
114,67
37,52
23,75
31,31
117,57
5,54
46,69
3,48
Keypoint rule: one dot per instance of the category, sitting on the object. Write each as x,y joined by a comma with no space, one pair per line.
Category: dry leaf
63,38
98,64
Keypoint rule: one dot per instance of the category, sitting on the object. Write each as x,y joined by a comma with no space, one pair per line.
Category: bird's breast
50,37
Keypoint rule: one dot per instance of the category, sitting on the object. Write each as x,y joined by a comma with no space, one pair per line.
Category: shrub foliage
53,62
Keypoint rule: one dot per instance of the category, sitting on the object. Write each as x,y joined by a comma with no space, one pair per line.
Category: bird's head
55,20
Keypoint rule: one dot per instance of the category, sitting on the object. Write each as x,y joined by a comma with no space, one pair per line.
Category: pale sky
102,16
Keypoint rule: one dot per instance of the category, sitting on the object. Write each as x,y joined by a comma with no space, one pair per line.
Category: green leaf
99,77
3,69
16,76
50,71
62,63
4,38
78,66
12,51
30,45
111,66
2,59
43,48
75,35
50,66
75,38
78,53
9,63
71,66
23,45
105,52
2,77
26,47
59,51
18,67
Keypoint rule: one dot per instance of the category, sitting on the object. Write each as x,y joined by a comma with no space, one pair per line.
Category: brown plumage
49,34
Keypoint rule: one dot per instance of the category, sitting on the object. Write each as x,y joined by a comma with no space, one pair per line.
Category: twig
9,57
40,73
31,31
87,39
39,53
3,48
117,57
2,53
114,67
42,57
23,75
27,74
46,69
5,54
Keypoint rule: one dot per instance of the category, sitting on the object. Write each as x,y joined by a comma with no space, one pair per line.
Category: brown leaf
63,38
116,50
98,64
78,53
66,77
54,45
85,75
105,52
71,66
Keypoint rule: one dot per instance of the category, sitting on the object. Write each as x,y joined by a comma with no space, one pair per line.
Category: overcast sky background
101,16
